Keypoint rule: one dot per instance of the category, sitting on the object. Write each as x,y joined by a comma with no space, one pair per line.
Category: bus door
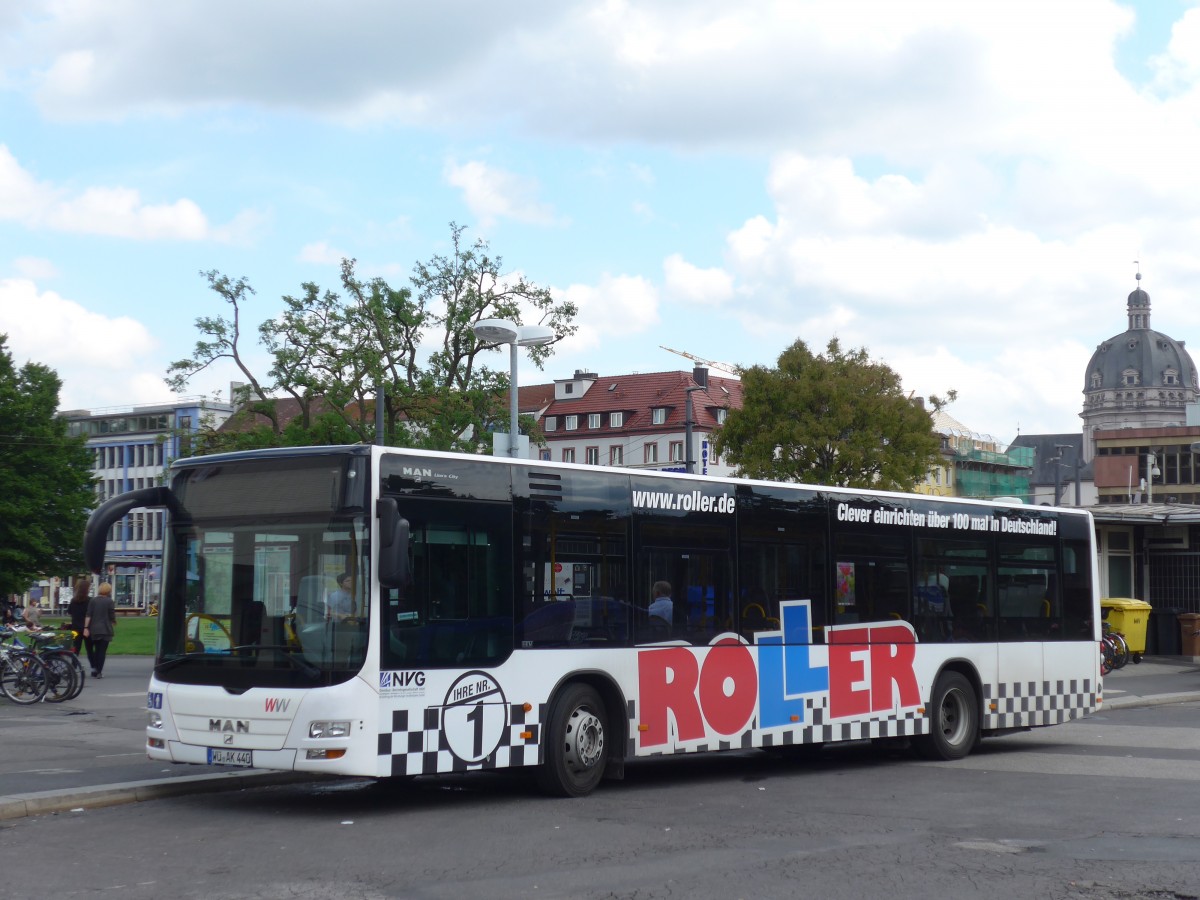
457,609
782,557
573,546
1028,606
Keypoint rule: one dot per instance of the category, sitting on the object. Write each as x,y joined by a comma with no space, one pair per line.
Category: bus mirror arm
393,543
95,536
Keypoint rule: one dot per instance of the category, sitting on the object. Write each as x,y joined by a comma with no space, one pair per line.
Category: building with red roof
639,421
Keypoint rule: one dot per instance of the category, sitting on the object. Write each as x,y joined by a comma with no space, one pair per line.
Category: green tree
45,478
836,418
329,350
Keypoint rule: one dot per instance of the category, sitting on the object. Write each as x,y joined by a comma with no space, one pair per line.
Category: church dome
1141,358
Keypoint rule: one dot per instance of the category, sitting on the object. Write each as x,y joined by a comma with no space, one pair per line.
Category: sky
960,188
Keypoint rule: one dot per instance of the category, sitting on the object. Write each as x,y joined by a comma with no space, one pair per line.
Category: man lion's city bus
498,615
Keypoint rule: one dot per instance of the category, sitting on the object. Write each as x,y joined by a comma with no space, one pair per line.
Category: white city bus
382,612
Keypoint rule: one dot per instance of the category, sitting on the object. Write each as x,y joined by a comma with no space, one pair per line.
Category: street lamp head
502,331
496,331
533,335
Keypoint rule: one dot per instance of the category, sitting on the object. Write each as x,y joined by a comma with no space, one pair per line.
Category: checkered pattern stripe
817,728
1022,704
405,752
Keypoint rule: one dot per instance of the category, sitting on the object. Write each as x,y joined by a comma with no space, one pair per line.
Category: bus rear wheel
954,719
575,743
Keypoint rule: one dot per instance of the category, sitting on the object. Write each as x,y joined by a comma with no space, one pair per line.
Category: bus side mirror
393,544
95,535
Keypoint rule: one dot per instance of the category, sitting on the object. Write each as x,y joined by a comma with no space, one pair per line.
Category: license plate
223,757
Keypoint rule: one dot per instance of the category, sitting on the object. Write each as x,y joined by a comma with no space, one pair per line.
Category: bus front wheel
575,739
954,719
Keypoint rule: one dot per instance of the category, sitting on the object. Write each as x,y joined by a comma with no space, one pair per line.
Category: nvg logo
401,680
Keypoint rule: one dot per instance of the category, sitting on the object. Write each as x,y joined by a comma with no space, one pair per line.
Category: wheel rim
585,740
954,717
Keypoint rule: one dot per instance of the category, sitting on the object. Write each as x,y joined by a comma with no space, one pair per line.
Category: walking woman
77,610
99,626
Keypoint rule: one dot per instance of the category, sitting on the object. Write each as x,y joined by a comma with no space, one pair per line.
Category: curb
1149,700
16,806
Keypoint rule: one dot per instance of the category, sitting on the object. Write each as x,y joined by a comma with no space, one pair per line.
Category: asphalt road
1100,809
89,751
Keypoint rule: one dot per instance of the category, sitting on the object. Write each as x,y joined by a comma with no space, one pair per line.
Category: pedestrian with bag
77,609
99,627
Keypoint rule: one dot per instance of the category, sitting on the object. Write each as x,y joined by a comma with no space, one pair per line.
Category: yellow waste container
1130,617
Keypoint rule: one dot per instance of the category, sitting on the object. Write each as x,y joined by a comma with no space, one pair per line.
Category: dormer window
551,423
1097,379
593,420
721,414
658,415
616,419
572,423
1130,378
1171,377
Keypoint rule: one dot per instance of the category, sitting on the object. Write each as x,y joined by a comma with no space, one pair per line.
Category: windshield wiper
168,665
293,655
289,653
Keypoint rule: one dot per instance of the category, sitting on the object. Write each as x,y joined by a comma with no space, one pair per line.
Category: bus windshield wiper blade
169,664
293,655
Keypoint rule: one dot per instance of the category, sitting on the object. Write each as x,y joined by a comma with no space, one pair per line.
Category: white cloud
166,57
110,211
693,285
35,268
957,187
905,79
321,253
1179,67
616,309
999,311
1006,394
102,361
491,194
643,174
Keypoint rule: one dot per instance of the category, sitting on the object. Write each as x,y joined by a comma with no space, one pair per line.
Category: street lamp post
1058,464
1152,469
502,331
689,417
1057,460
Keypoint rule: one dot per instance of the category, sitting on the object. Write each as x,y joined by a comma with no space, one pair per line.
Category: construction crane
711,363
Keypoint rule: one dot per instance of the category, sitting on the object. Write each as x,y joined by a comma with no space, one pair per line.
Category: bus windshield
270,590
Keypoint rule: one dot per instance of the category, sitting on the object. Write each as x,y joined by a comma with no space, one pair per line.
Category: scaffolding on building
981,469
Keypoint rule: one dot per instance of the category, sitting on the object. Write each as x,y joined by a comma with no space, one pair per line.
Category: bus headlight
328,729
155,718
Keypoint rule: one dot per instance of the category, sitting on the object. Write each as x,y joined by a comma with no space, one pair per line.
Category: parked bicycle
23,677
1114,650
64,672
